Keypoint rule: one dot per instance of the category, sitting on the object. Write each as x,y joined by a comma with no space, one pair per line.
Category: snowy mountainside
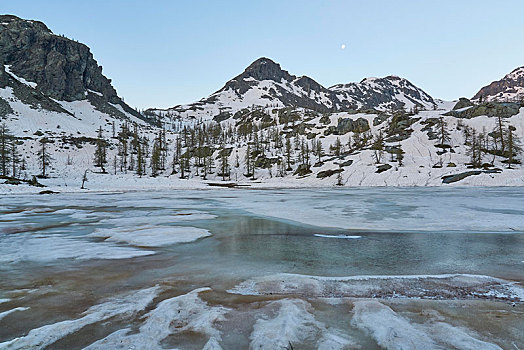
391,92
508,89
264,128
283,148
264,83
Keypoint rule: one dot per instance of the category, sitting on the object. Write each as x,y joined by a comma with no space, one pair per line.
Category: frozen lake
337,268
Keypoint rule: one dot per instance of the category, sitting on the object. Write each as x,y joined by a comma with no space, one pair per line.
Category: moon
343,46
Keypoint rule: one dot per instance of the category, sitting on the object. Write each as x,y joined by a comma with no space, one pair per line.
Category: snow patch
20,79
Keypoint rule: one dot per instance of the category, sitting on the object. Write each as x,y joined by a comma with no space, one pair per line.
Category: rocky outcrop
346,125
462,103
490,109
61,68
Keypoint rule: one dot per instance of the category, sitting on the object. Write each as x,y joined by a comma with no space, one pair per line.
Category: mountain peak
265,69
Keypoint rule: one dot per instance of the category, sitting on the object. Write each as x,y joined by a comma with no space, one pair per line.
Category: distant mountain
509,88
48,72
265,83
391,92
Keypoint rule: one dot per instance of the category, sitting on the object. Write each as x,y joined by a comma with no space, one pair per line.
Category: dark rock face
63,69
462,103
509,87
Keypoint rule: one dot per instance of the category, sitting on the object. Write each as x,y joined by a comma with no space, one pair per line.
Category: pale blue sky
163,53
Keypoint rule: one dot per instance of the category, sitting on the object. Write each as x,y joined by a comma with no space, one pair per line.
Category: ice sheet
152,236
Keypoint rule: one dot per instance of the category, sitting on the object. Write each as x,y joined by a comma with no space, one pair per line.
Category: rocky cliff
56,67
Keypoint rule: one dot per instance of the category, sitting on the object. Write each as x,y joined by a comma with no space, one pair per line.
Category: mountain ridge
265,83
508,89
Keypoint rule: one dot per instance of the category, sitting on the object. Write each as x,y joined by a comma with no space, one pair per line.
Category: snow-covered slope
264,83
270,127
389,93
508,89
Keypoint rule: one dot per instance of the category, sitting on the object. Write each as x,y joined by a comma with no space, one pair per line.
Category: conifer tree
15,159
224,162
319,151
5,154
288,154
44,157
378,147
442,131
248,160
100,151
513,145
156,156
140,160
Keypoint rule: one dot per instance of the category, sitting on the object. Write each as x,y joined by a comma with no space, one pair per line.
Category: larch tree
100,157
44,157
513,145
5,152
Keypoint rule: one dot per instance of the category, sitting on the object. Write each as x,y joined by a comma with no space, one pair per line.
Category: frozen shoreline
122,183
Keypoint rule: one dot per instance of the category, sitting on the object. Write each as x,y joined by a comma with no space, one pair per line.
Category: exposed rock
302,170
490,109
382,168
327,173
461,176
346,163
379,119
463,103
346,125
61,68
